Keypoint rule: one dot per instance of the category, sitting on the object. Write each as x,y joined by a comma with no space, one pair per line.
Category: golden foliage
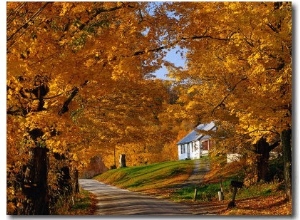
77,73
238,66
81,73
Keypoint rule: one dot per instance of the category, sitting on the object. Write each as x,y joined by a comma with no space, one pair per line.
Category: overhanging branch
25,25
195,37
65,107
228,94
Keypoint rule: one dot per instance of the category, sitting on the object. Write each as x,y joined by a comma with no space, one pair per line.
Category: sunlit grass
150,176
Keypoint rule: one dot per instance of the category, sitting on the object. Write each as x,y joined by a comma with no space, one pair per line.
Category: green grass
84,204
259,189
209,192
205,192
169,175
150,176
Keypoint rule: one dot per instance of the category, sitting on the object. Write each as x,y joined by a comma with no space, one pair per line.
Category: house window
182,149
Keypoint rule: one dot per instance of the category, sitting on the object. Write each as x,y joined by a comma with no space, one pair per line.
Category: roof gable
195,135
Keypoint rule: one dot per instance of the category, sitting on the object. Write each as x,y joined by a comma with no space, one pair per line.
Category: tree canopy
80,79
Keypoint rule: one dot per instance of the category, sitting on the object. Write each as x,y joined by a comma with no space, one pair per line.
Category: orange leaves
74,43
269,206
251,53
65,7
115,45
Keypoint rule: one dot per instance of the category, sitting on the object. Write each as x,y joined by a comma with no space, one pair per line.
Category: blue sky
173,56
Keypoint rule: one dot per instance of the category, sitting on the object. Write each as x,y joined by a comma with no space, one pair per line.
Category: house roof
195,135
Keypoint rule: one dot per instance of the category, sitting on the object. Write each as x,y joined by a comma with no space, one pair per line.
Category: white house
194,145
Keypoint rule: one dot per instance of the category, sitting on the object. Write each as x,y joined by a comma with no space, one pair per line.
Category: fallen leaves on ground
271,205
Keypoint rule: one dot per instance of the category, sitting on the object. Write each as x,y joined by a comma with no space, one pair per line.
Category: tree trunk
76,188
231,204
36,185
263,151
64,181
286,136
122,160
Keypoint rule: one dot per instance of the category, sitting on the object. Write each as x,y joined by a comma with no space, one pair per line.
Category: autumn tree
77,84
238,72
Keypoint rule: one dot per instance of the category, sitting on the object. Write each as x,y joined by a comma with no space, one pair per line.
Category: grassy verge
150,177
209,192
84,204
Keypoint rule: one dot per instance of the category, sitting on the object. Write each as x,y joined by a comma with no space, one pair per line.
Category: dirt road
115,201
